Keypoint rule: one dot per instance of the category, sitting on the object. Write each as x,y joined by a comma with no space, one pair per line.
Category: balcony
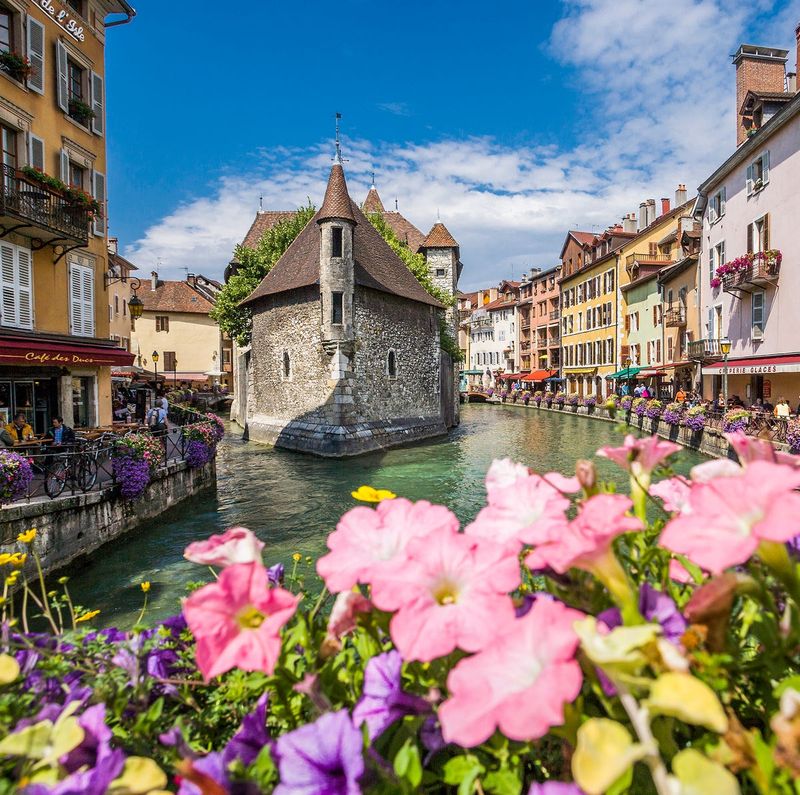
750,272
675,317
646,257
700,350
555,314
40,212
525,346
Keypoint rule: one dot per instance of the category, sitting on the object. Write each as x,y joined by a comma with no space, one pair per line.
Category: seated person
60,434
20,430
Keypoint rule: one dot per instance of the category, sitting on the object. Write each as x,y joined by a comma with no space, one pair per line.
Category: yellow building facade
55,351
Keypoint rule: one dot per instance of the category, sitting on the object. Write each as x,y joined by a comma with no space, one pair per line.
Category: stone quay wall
70,527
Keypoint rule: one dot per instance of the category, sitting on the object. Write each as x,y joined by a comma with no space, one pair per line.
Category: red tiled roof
373,203
174,296
439,237
265,220
499,303
337,202
405,231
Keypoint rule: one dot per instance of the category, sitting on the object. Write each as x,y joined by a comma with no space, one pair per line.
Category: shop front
768,378
46,377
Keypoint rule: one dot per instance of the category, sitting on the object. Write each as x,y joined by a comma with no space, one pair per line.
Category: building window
76,5
125,307
7,38
758,235
757,314
337,307
336,241
162,323
441,272
116,305
16,286
716,207
391,364
8,144
76,77
758,174
170,362
287,365
76,176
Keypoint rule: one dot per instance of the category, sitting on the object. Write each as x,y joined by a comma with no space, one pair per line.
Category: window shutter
36,152
749,179
765,167
766,232
64,160
98,103
61,81
24,288
710,323
8,285
99,193
87,295
722,201
750,237
36,55
75,300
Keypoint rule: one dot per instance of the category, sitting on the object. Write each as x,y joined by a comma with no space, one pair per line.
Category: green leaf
139,776
407,763
463,770
502,782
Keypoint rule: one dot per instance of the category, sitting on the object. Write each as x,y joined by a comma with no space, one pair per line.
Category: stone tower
442,255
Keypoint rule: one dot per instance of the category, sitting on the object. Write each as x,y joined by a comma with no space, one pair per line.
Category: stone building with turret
345,352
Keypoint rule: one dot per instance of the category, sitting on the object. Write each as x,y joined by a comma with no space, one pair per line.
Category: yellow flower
9,669
698,775
12,578
87,616
368,494
145,586
28,536
297,557
604,752
684,697
18,559
5,558
63,580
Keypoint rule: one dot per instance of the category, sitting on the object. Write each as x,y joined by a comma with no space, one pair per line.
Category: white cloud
659,109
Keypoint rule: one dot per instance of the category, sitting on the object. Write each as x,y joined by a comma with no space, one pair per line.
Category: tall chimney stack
757,69
651,211
680,195
664,206
153,280
642,216
629,222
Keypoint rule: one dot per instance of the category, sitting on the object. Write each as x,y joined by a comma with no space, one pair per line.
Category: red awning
649,373
757,366
509,376
539,375
44,352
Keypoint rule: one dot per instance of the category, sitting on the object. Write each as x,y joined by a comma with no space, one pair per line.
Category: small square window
336,241
441,272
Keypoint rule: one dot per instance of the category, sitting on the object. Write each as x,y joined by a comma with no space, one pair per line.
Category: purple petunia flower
252,736
654,606
211,766
275,574
384,701
324,756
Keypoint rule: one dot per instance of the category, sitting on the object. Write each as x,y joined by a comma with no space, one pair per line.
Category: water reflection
291,501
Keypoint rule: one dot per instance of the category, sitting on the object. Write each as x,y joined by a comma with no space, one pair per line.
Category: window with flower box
758,174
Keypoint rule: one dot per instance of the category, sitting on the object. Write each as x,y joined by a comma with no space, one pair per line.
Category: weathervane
338,158
373,179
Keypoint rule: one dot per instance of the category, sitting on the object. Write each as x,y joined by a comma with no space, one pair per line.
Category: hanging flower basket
16,65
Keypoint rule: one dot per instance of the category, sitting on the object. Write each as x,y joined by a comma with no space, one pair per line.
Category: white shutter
87,295
8,285
36,152
36,55
64,159
722,201
98,103
99,193
63,86
749,179
75,300
765,167
25,288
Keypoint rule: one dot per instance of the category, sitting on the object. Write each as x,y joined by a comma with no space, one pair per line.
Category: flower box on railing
749,268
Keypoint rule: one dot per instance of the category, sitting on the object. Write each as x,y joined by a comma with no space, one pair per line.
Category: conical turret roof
439,237
337,201
373,203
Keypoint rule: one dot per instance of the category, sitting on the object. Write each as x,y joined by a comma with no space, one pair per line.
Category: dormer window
336,241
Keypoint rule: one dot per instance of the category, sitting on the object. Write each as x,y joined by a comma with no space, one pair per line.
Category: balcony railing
555,314
764,269
30,205
675,317
525,346
642,256
704,349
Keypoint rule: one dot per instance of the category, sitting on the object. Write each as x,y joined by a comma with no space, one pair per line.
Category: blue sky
514,126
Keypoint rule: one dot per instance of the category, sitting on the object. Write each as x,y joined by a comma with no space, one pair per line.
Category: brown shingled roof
376,265
337,202
405,231
265,220
174,296
439,237
373,203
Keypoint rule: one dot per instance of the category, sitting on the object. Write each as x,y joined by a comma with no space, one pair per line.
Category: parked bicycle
78,468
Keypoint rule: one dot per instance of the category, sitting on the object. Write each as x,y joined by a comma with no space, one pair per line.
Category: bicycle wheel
86,473
55,479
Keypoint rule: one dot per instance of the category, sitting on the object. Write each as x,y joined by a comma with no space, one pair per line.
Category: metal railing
761,424
675,316
42,206
704,349
762,269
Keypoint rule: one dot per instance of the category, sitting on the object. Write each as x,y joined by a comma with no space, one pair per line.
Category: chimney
153,280
757,69
680,195
642,216
791,82
629,222
651,211
113,246
664,206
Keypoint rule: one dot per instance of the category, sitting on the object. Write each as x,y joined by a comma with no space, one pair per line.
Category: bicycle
79,468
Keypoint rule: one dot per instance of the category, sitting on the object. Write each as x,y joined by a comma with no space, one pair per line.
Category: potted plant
653,409
673,413
735,420
18,66
80,111
626,403
695,418
559,399
611,405
590,402
639,406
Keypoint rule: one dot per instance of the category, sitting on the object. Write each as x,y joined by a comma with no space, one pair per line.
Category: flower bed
695,418
639,406
673,413
626,402
202,438
559,399
136,459
16,475
432,659
735,420
653,409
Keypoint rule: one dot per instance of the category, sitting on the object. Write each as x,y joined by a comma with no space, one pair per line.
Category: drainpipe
129,12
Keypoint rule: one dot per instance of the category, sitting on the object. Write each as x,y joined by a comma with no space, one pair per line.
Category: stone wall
70,527
240,365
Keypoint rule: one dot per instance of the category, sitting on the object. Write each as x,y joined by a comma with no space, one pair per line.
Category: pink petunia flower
673,492
504,472
520,683
366,540
640,456
235,545
236,621
750,449
730,516
450,591
586,540
345,611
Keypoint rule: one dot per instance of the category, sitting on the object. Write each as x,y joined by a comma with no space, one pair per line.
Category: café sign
63,19
754,369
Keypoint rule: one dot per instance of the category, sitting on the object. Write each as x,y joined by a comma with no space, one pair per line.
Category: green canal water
292,501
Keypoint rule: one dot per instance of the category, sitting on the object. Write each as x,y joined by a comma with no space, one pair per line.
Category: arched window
391,364
287,365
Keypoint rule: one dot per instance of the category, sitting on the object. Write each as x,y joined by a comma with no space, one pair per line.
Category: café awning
766,365
628,372
540,375
509,376
581,371
650,373
50,353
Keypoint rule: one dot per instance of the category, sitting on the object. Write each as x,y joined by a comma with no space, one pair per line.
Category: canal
292,501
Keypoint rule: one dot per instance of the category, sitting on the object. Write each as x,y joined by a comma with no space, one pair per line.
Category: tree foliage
254,265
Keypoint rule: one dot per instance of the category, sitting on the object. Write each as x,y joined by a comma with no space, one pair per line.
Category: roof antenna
338,158
395,203
261,204
373,180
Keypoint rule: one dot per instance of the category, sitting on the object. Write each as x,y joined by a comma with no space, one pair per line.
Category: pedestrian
782,410
680,395
19,430
157,418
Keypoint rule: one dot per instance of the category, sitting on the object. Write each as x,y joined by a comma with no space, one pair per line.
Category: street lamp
725,349
154,357
135,304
